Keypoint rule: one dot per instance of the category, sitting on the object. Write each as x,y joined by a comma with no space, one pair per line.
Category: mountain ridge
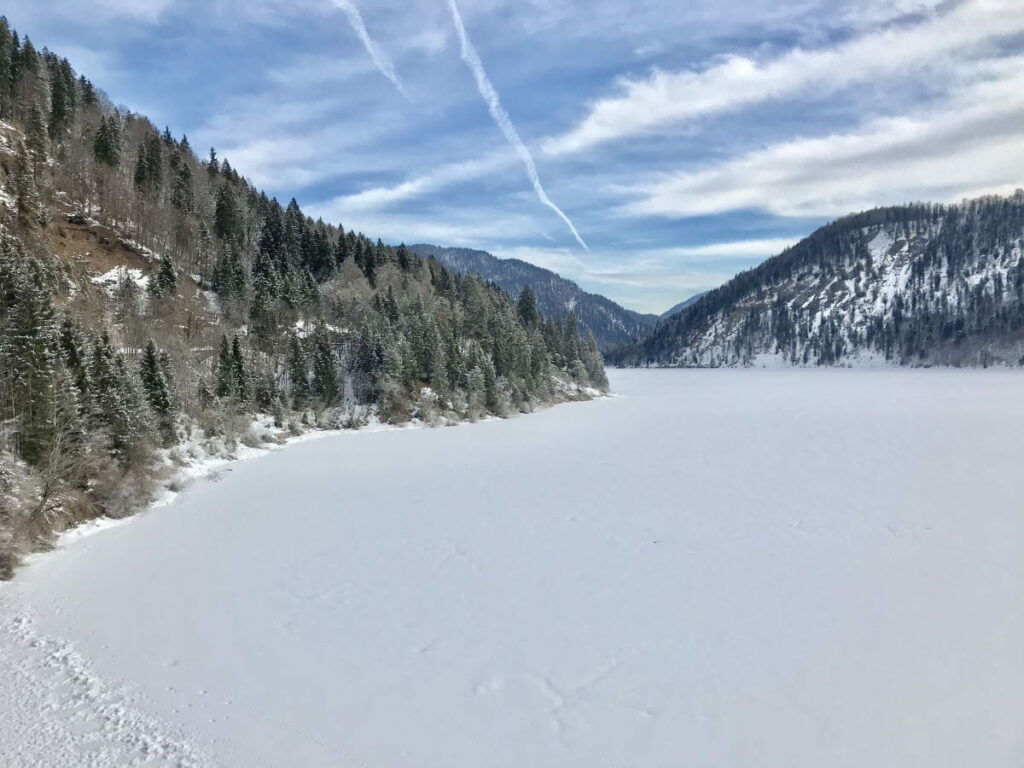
683,305
611,324
919,284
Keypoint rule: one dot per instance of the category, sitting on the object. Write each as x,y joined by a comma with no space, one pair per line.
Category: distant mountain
683,305
612,325
909,285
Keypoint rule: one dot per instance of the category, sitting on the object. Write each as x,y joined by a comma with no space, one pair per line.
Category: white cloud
380,58
645,281
730,249
320,70
448,226
503,121
99,11
667,98
971,144
444,176
144,10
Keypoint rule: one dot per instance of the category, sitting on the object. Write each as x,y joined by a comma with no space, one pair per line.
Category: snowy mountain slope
908,285
611,324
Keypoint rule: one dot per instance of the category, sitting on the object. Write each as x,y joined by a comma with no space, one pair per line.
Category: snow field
746,568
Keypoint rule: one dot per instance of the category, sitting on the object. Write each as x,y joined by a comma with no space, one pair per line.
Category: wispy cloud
668,98
730,249
646,281
971,144
380,58
502,119
425,184
443,225
146,11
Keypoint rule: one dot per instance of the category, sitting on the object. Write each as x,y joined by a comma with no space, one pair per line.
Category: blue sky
683,141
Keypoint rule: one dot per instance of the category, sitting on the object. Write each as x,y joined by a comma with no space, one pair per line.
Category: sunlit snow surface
756,569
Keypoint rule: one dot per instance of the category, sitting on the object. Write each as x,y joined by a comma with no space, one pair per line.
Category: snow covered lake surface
766,569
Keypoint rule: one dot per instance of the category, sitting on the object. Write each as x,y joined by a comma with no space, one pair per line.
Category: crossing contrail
380,58
502,119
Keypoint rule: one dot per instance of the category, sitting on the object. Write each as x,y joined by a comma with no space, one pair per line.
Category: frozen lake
766,569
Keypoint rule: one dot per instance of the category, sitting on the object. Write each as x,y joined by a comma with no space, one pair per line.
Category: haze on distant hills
557,297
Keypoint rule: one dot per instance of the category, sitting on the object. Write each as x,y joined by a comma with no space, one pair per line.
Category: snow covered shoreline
195,460
78,718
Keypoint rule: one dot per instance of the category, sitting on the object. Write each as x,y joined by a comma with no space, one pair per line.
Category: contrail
502,119
380,58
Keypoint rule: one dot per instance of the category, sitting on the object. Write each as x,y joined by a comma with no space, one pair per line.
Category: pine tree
229,278
224,374
298,371
29,353
127,301
6,65
239,376
37,139
529,316
391,310
227,219
154,162
152,371
369,265
183,194
119,403
141,175
342,249
164,284
63,100
31,212
73,350
107,144
263,315
325,367
89,97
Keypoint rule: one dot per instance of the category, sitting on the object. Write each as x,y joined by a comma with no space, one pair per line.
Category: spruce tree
223,374
227,219
63,100
152,371
164,284
529,316
183,194
154,162
239,375
298,371
325,367
141,175
6,64
107,144
37,139
31,212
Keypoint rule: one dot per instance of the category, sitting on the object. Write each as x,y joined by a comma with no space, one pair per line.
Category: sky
648,150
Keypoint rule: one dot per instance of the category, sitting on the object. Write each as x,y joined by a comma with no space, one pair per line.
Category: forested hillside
909,285
558,298
153,304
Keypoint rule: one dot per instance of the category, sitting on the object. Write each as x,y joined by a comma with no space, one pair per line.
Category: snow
112,278
304,329
754,568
